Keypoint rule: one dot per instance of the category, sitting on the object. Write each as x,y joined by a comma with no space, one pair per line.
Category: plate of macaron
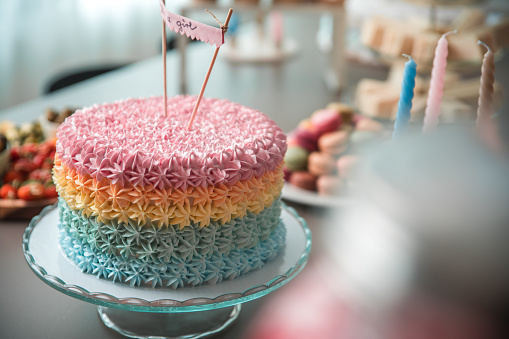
323,152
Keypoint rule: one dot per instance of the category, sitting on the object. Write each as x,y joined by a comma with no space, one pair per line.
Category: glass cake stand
145,312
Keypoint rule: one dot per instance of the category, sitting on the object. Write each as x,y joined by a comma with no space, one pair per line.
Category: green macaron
296,158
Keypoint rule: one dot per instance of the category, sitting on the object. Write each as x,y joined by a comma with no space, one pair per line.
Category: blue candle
405,98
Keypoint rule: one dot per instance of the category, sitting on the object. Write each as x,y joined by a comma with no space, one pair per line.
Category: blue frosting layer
175,272
153,244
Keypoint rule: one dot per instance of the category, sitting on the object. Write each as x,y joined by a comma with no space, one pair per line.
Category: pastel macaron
329,184
296,158
286,174
306,124
333,143
304,180
306,138
326,120
291,140
320,163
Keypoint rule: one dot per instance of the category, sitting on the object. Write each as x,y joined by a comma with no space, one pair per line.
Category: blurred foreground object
421,255
428,236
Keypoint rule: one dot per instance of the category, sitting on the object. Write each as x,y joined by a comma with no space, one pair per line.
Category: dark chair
72,77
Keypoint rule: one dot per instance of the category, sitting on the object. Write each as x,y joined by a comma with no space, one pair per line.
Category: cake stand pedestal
197,324
144,312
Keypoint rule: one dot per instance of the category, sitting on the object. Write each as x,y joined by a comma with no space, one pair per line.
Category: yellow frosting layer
173,206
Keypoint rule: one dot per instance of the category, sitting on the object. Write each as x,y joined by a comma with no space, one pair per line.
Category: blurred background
409,235
43,41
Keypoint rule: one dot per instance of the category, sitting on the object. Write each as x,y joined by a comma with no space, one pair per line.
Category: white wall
42,38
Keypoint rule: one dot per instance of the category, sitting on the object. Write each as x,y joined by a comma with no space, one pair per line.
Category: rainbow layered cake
145,201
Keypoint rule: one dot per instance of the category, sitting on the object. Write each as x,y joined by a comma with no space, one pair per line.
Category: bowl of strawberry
26,183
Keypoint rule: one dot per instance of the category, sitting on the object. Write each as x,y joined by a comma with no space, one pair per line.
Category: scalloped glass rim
165,305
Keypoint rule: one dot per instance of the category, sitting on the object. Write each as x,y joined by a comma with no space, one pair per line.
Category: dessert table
286,92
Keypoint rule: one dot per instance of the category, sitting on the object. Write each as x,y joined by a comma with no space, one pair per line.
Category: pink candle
436,85
277,28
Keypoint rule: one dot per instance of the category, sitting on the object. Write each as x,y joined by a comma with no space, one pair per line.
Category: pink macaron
326,120
306,138
287,173
304,180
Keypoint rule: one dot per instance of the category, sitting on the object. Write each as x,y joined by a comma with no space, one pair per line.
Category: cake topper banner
191,28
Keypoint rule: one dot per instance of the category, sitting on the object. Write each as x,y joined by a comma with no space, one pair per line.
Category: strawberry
47,164
31,191
45,149
14,154
40,175
7,191
50,192
29,149
39,160
16,183
23,165
12,175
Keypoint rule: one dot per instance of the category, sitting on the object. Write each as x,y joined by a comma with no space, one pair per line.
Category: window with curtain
40,39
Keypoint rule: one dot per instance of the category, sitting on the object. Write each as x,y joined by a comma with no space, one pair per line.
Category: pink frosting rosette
131,142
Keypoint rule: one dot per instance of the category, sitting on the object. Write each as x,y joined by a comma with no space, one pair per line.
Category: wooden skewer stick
230,12
164,67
